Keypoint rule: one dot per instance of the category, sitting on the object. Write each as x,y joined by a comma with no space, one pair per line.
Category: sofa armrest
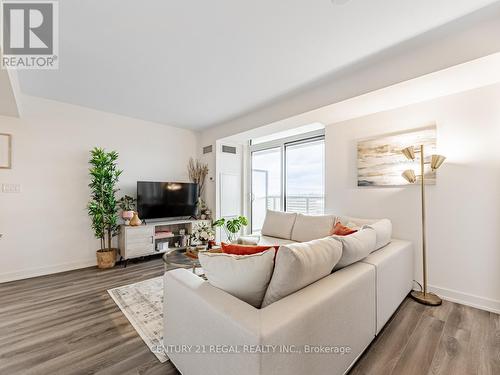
202,323
337,311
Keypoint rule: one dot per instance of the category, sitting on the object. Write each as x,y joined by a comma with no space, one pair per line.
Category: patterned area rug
142,304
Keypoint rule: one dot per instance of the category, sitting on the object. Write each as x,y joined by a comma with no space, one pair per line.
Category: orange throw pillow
341,230
236,249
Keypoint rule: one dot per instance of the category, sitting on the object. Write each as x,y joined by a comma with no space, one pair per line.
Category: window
305,177
287,175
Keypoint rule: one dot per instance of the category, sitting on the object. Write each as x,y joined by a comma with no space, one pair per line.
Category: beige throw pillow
356,246
244,276
383,229
300,264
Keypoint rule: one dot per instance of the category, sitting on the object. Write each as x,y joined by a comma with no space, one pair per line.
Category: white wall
463,208
228,197
45,227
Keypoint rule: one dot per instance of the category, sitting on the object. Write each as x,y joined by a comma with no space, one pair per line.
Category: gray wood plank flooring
67,324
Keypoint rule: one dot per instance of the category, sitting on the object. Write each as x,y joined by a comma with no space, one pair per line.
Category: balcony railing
305,204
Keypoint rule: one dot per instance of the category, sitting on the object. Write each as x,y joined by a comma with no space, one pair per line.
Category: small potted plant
127,205
203,233
231,226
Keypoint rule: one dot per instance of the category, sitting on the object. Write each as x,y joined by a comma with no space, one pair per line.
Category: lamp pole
422,188
423,296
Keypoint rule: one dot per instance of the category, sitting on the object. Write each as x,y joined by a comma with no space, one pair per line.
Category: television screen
157,200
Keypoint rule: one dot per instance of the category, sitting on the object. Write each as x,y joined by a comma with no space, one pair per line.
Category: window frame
281,144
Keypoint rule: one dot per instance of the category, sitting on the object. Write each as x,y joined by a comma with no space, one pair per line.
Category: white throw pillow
383,229
356,246
301,264
309,227
278,224
244,276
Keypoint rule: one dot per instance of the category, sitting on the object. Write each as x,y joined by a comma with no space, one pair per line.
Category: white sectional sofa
208,331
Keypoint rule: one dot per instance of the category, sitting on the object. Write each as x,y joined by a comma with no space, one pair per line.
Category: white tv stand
135,242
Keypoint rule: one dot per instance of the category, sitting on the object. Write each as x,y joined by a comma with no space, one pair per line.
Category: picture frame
380,161
5,151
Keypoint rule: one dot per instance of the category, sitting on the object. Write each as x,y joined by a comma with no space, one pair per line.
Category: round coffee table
178,259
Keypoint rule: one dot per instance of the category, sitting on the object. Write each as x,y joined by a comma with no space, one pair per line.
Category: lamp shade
436,161
409,175
409,152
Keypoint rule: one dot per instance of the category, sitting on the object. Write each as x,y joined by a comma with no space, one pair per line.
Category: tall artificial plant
102,208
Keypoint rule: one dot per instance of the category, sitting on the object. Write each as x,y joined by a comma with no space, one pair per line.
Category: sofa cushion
356,222
252,239
237,249
356,246
383,230
278,224
255,239
273,241
342,230
244,276
309,227
300,264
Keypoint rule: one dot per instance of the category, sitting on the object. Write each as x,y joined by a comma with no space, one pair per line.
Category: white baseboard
472,300
42,271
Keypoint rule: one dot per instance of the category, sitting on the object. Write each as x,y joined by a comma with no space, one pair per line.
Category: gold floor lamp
423,296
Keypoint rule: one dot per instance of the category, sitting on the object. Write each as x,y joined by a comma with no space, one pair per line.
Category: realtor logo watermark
29,34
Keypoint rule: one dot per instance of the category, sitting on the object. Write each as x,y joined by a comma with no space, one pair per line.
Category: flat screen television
156,200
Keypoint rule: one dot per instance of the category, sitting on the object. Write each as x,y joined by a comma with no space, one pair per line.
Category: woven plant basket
106,258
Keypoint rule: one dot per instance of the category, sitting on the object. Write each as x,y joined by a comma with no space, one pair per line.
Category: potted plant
127,205
203,233
102,207
231,226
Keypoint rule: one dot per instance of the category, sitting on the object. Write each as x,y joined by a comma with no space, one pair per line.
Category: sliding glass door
287,175
266,184
305,177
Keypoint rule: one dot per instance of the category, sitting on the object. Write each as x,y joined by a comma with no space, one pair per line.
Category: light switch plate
11,188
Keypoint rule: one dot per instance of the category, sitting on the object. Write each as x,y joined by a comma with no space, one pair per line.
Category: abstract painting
380,161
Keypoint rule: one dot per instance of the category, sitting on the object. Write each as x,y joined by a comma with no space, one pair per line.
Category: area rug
142,304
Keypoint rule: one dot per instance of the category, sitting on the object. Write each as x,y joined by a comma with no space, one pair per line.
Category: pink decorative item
127,215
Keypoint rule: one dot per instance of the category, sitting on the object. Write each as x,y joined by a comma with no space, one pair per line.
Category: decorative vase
135,221
106,258
127,215
232,238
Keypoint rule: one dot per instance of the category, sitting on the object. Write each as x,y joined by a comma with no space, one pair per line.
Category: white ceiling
196,64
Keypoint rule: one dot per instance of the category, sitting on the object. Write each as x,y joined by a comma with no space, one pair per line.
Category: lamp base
429,299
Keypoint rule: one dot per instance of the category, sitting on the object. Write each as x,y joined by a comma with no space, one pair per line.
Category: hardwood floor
67,324
450,339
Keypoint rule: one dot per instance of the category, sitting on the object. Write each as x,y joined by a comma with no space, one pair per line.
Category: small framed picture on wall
5,151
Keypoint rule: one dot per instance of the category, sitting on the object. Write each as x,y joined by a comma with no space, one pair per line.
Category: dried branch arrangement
198,172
